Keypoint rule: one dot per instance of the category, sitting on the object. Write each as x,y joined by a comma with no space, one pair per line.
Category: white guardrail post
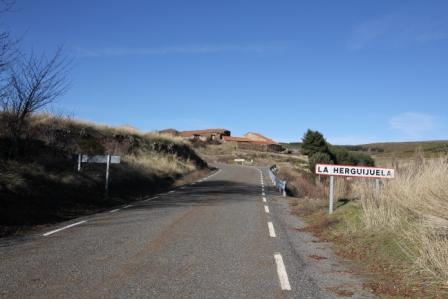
279,184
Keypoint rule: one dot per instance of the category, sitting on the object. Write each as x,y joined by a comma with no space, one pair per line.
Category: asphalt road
217,238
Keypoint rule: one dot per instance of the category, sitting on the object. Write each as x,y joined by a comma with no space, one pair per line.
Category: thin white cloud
414,125
398,29
365,33
186,49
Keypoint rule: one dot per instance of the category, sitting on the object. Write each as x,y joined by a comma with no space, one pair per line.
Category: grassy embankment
41,185
400,233
227,152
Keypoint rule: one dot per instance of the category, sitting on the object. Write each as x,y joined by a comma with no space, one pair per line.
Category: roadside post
102,159
366,172
331,194
79,163
239,161
107,174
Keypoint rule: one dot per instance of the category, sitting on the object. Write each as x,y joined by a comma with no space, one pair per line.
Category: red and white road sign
355,171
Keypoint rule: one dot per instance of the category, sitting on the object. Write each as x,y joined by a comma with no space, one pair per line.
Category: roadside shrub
319,151
301,184
313,142
317,158
343,156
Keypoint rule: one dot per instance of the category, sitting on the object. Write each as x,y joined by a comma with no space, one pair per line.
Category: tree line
319,150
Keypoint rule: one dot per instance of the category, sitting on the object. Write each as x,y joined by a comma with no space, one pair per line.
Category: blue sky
358,71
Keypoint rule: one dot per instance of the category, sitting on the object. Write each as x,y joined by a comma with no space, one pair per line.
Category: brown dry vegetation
226,153
400,233
41,184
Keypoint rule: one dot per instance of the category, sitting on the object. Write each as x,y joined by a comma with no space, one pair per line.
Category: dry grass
400,233
40,185
159,164
415,206
64,122
301,184
227,152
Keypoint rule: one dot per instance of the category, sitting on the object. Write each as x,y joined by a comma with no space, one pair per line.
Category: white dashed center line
128,206
281,271
266,209
62,228
271,230
113,211
264,199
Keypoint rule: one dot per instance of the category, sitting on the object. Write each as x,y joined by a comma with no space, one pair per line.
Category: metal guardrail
278,183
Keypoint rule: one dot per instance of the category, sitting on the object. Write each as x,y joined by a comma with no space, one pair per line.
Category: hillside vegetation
389,152
400,233
40,183
386,153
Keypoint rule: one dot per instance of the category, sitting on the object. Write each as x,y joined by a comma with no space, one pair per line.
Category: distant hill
384,152
401,149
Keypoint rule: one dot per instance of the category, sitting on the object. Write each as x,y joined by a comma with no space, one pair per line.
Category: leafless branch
34,83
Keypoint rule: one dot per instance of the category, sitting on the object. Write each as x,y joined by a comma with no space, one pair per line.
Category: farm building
255,141
205,135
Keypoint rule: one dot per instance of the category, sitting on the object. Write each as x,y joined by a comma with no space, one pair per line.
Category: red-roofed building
255,141
205,135
236,139
251,140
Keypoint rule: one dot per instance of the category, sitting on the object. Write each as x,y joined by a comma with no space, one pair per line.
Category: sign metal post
107,174
79,162
331,194
101,159
333,170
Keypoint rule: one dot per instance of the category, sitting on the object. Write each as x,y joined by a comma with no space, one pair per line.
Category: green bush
320,151
313,142
318,158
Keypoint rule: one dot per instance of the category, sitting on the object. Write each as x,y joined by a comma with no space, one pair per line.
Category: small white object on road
266,209
62,228
281,271
271,230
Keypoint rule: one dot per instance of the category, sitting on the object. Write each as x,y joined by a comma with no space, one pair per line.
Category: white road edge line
264,199
128,206
113,211
171,191
281,272
266,209
62,228
271,230
152,198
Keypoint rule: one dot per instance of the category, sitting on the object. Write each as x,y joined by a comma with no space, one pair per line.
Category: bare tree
7,48
34,83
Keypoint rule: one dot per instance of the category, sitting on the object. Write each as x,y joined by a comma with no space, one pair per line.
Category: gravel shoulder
332,274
